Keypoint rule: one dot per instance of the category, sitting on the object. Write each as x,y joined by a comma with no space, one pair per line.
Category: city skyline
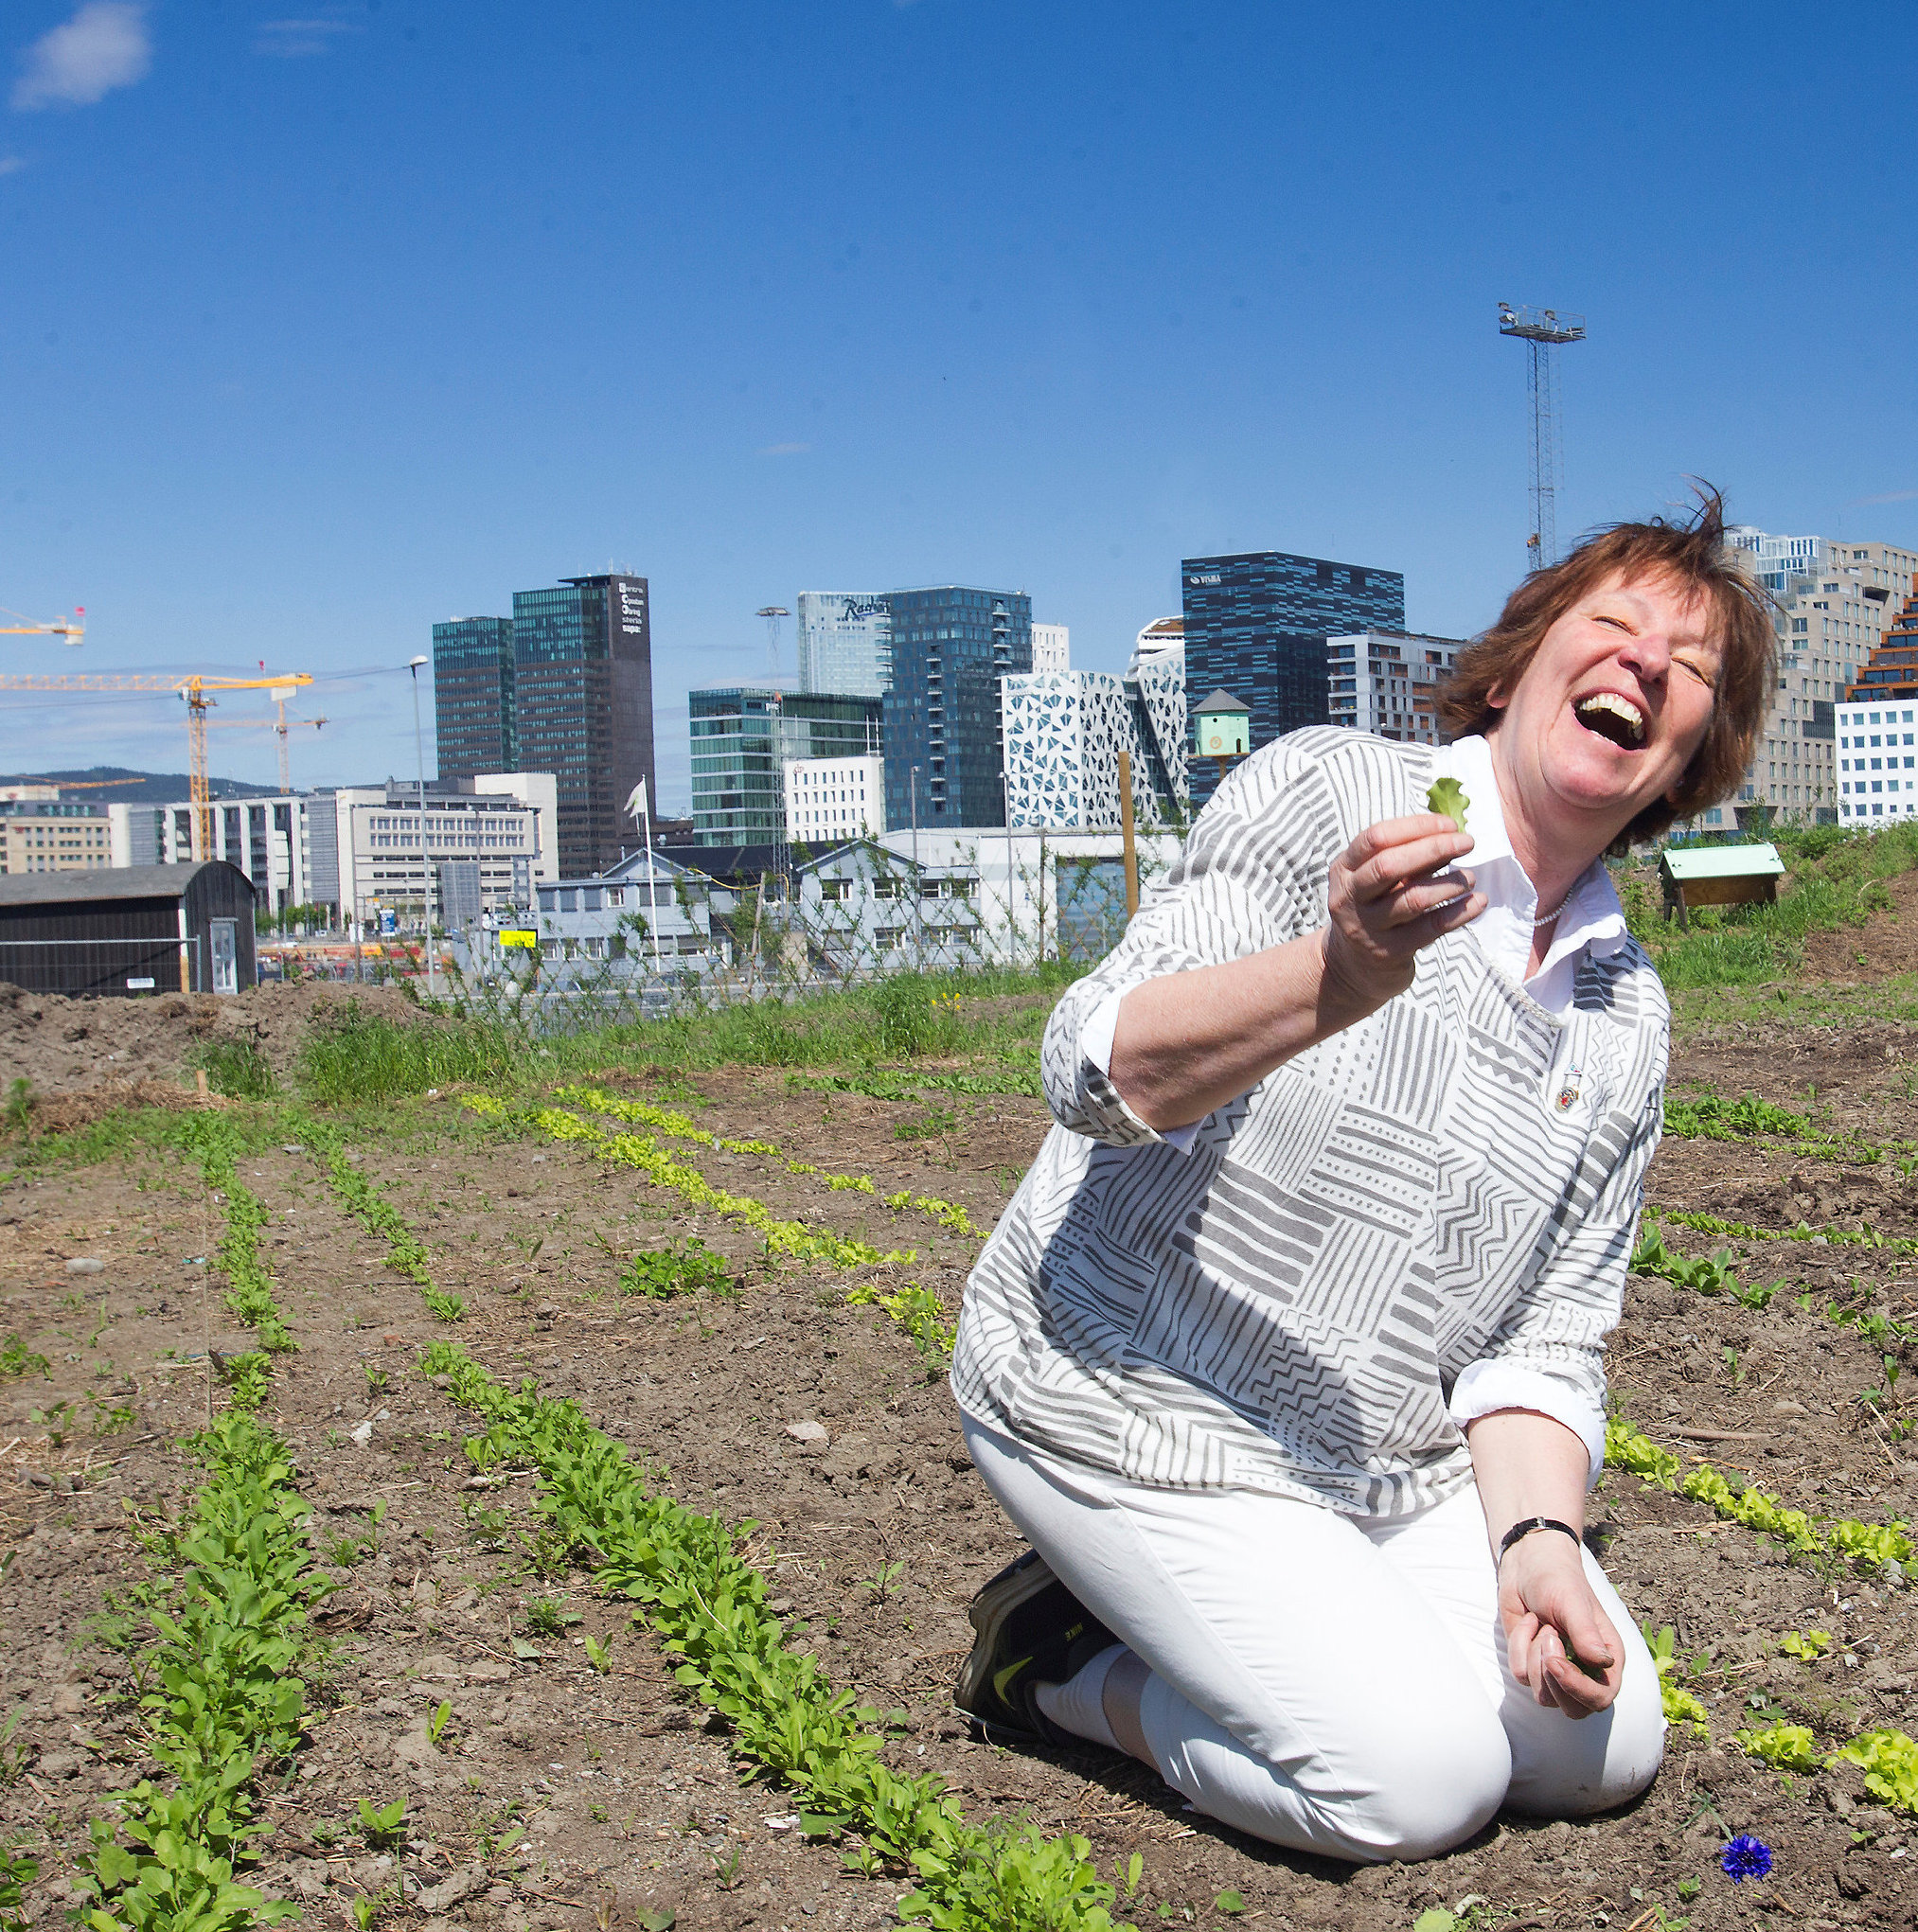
305,388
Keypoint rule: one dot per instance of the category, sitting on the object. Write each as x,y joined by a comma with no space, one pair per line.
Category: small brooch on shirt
1568,1094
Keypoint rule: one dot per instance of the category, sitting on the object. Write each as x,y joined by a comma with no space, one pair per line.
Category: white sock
1079,1703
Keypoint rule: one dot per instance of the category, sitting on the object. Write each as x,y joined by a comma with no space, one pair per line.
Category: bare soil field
555,1771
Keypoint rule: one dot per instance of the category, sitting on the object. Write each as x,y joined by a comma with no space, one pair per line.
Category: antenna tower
772,613
1542,331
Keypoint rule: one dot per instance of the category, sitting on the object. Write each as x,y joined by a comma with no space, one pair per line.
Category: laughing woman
1287,1357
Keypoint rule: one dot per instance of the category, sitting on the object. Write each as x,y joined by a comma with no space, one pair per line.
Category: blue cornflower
1746,1857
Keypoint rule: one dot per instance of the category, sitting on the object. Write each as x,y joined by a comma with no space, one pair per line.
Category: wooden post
1132,845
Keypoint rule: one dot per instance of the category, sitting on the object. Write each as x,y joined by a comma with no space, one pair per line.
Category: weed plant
355,1055
685,1267
236,1067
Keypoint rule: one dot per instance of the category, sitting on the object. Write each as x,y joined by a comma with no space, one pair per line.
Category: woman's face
1612,706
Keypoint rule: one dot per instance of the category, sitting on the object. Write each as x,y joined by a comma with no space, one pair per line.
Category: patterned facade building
1064,731
1256,625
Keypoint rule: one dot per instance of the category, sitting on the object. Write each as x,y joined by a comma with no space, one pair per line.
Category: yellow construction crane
193,692
73,628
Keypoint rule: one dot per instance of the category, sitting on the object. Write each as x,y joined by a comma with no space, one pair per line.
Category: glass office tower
1257,626
582,708
846,641
744,739
472,696
951,646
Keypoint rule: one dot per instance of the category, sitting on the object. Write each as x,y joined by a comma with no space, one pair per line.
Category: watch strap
1521,1530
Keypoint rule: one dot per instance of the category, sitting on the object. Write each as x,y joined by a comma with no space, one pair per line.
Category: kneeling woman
1287,1357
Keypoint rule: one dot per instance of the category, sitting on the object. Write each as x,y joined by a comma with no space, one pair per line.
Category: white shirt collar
1593,918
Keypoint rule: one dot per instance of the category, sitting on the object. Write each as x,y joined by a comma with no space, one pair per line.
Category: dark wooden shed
127,929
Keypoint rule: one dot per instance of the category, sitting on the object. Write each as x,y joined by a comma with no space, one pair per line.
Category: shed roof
1221,700
104,882
1723,861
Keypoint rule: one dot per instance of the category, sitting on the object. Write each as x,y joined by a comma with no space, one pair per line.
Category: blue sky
324,323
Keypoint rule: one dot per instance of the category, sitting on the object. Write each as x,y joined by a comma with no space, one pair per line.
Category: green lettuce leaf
1446,798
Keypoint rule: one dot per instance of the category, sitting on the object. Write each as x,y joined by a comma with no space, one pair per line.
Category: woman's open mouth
1613,717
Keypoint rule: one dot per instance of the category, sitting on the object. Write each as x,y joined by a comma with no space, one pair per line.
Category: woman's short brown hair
1691,551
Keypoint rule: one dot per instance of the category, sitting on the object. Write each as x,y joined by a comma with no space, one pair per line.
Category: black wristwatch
1518,1530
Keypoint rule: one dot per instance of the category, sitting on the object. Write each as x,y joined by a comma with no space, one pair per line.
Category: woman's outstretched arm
1191,1041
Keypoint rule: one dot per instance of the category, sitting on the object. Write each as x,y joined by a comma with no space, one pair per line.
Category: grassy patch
1836,879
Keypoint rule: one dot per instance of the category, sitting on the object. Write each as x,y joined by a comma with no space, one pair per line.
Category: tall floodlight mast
1542,331
772,613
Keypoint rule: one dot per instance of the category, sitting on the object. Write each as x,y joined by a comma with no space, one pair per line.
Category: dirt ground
623,1793
143,1049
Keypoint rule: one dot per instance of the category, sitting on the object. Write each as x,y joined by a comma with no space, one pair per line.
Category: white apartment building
490,840
1051,648
1877,757
831,800
270,839
357,849
1833,602
1386,682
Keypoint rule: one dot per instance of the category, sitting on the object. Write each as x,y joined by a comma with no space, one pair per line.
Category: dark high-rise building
1257,626
562,686
582,708
472,696
951,647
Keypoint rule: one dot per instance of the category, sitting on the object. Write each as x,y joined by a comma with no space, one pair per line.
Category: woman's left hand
1552,1615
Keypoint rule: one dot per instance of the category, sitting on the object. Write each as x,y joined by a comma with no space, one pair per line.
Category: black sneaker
1032,1631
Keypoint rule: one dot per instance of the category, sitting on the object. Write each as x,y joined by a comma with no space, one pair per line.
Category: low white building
973,898
831,800
490,840
1877,758
270,839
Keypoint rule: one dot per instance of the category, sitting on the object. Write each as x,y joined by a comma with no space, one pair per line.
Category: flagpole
651,900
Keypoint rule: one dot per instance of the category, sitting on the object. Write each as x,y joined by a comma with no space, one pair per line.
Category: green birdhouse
1222,725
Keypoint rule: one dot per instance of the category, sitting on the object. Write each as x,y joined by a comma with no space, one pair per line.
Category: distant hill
140,788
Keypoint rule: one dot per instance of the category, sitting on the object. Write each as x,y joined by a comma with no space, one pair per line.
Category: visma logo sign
1210,577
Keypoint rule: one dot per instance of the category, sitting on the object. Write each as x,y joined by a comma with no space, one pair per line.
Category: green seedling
17,1871
436,1724
545,1618
656,1922
17,1359
598,1655
726,1874
376,1379
1807,1645
881,1582
1231,1903
386,1828
683,1268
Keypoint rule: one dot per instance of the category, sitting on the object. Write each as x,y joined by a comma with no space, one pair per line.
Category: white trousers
1323,1683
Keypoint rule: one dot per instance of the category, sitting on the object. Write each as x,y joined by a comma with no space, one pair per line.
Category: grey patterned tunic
1286,1308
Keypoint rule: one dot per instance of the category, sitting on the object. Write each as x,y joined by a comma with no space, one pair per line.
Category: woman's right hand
1391,892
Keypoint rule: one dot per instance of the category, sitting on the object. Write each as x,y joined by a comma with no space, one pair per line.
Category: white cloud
103,47
786,449
1891,496
12,164
294,39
